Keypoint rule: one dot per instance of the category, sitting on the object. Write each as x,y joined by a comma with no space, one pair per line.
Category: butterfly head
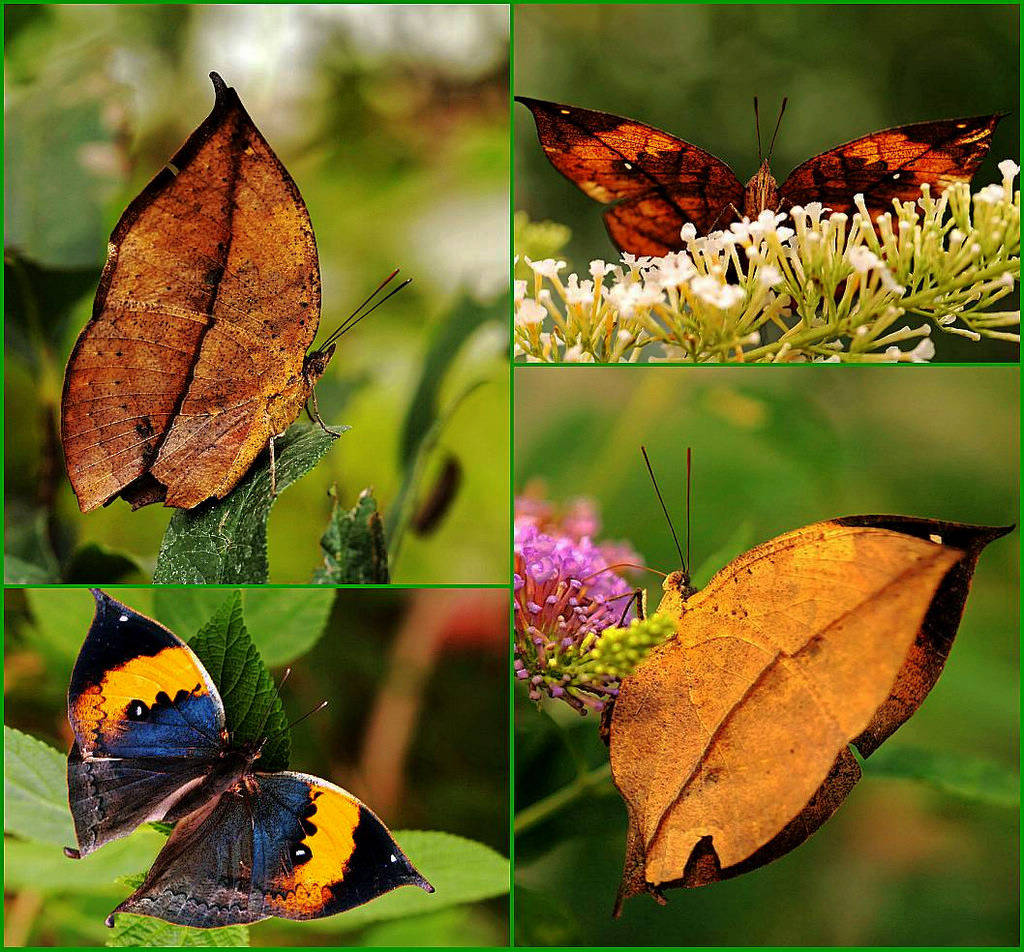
761,192
677,590
315,364
679,582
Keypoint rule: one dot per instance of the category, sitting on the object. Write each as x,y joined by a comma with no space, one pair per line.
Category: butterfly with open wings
656,183
151,743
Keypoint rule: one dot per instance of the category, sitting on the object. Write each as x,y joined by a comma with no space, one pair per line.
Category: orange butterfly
657,183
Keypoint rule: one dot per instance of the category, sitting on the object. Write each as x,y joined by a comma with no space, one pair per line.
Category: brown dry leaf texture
730,743
195,355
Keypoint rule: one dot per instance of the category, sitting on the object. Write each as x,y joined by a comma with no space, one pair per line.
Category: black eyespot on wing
137,711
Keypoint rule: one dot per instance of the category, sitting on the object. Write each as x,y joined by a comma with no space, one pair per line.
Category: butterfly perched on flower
656,183
731,742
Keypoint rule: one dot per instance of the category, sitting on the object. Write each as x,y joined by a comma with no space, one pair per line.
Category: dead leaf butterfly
731,742
657,183
195,357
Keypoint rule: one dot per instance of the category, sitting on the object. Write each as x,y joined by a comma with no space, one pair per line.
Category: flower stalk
796,287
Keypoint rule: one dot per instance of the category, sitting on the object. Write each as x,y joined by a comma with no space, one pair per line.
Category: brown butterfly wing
656,182
729,742
894,163
207,304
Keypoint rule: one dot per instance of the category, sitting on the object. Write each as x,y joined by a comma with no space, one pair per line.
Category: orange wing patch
100,714
655,175
330,839
893,164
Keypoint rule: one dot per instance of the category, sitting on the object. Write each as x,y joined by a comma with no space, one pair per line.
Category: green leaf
44,867
252,705
95,564
453,926
447,339
460,870
225,541
971,778
283,623
35,790
353,544
130,930
132,881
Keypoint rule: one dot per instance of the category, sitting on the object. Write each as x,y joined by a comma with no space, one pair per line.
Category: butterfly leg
273,469
639,596
728,208
315,415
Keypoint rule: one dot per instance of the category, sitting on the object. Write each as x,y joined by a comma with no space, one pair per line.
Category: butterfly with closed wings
733,741
195,358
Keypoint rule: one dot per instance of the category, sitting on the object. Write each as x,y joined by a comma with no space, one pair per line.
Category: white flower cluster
822,287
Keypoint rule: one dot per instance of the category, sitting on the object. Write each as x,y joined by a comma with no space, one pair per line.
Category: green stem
401,511
538,812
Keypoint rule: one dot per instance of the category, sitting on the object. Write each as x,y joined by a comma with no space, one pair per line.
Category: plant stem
538,812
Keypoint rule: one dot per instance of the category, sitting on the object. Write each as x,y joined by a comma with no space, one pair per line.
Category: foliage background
692,70
394,122
403,672
900,863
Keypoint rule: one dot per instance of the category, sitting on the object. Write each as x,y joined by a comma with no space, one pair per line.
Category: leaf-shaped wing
729,743
894,163
656,182
208,301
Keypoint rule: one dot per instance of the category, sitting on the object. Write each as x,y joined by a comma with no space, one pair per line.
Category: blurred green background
403,672
393,120
693,70
900,863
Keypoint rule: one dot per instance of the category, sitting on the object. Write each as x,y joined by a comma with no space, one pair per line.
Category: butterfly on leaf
152,744
196,357
656,183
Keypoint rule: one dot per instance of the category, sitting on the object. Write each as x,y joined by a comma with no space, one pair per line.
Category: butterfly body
656,183
730,742
151,744
760,193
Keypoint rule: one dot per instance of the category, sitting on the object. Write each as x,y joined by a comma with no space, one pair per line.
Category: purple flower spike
566,593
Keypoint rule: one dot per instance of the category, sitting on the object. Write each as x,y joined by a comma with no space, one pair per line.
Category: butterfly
151,745
195,358
657,183
730,743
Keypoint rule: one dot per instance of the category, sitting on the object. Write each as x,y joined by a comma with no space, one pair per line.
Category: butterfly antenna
689,485
289,726
358,314
273,704
310,713
757,127
664,508
778,122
